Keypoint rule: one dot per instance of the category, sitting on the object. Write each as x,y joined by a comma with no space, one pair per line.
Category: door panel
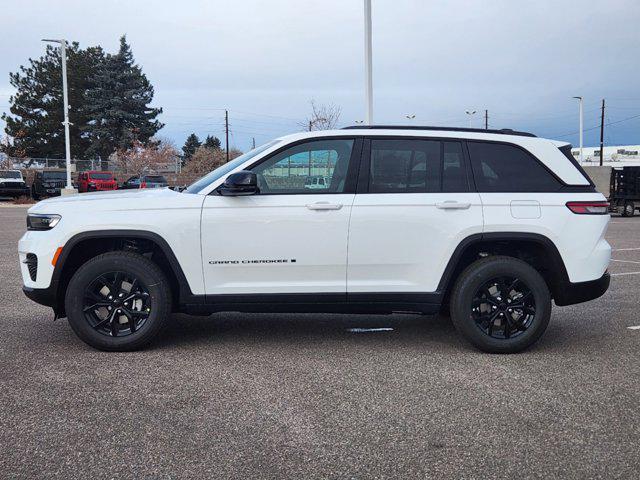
403,242
275,243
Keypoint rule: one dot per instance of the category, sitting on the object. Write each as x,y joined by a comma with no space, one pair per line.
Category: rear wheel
501,304
118,301
629,209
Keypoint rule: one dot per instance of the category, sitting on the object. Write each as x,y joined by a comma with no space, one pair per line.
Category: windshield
222,170
101,176
10,174
54,175
155,179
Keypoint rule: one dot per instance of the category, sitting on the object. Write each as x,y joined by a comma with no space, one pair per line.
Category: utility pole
602,134
580,101
226,132
253,142
367,63
486,119
65,100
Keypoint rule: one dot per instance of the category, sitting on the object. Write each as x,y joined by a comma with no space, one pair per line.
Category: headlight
37,221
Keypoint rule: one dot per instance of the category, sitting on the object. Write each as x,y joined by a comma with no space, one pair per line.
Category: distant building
614,156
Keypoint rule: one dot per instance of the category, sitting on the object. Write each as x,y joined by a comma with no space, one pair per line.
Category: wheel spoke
132,321
95,306
101,323
139,313
114,325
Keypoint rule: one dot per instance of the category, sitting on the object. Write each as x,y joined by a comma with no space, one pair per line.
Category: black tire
469,320
629,209
34,195
130,265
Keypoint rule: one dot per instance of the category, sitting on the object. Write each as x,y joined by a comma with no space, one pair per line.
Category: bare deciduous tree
140,158
206,159
323,117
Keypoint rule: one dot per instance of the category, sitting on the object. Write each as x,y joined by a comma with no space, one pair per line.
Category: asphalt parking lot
300,396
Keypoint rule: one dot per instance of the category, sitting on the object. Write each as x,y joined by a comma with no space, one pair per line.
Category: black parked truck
48,183
624,188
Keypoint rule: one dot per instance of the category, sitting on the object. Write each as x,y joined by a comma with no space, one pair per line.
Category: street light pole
471,113
65,97
580,101
367,63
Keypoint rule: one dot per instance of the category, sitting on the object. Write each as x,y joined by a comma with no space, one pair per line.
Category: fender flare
560,272
185,295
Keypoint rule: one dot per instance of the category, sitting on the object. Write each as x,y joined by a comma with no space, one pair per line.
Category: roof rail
502,131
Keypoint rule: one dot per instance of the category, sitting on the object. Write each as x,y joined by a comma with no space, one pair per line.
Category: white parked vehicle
491,225
12,184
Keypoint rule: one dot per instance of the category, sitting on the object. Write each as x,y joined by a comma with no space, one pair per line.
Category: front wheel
118,301
629,209
501,304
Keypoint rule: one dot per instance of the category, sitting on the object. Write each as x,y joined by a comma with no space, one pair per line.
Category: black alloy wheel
504,307
116,304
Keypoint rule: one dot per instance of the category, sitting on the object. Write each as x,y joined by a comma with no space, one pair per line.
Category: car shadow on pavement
300,328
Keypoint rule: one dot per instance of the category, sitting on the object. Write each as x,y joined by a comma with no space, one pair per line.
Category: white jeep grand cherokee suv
491,225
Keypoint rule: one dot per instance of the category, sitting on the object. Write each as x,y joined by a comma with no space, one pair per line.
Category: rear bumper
572,293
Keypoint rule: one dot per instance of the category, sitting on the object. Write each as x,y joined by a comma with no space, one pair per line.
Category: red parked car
92,181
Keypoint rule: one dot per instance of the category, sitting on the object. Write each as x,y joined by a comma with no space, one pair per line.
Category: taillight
589,208
143,185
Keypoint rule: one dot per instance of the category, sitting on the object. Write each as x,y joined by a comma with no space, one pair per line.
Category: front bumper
572,293
43,296
14,192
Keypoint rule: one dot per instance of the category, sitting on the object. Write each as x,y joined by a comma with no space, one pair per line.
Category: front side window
317,166
222,170
499,167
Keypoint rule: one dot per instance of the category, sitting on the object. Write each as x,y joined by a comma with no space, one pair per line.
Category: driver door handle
324,206
452,205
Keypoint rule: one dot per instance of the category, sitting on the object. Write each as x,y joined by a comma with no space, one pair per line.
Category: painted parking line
624,261
624,249
635,327
625,273
367,330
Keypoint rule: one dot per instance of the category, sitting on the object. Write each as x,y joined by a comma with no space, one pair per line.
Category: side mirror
239,184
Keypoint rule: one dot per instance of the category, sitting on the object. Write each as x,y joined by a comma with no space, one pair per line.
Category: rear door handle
324,206
452,205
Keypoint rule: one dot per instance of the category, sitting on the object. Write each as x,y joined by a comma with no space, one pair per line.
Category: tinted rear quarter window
500,167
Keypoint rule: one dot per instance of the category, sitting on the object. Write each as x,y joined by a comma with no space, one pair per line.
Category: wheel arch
535,249
85,245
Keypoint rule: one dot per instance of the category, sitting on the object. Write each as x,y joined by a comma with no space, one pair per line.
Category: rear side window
454,176
404,166
499,167
417,166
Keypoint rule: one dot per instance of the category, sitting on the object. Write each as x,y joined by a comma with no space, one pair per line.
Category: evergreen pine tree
118,103
190,146
36,112
212,142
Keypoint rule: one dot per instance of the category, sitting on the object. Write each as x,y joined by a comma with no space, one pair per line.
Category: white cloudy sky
264,60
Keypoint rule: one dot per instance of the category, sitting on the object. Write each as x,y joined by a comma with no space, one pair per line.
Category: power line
598,126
